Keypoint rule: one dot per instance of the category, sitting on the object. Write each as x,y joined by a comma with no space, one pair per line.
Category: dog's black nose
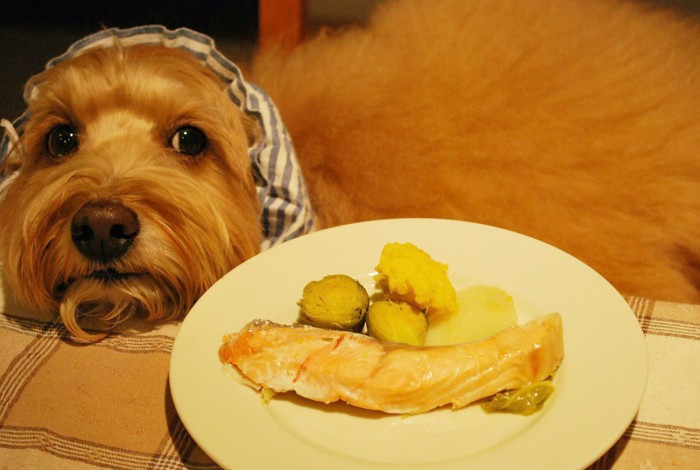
104,230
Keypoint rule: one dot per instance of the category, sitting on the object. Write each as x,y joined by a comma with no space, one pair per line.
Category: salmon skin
327,365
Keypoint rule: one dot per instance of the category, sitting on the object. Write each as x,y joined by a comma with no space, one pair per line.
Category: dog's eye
189,140
62,141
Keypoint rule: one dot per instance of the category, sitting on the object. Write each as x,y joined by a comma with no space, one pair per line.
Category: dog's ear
13,159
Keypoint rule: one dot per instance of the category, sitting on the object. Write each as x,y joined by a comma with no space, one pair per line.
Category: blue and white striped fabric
286,212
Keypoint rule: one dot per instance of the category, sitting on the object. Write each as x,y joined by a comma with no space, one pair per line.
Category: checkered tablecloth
65,404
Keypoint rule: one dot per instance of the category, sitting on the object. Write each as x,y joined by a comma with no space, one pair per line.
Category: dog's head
131,189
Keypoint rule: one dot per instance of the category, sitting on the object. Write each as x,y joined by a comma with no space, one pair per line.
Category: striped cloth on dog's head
286,212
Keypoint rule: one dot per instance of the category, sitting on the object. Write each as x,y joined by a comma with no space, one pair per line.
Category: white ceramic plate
599,385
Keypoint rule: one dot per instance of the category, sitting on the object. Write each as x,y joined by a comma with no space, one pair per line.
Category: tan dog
573,122
107,149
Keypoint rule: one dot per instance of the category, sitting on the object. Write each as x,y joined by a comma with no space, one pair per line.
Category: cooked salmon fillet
327,366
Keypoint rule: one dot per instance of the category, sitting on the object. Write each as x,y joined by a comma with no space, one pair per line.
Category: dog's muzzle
103,230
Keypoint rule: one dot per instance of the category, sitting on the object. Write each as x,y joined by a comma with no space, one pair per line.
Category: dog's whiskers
109,275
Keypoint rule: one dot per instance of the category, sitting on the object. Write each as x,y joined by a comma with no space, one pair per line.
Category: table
66,404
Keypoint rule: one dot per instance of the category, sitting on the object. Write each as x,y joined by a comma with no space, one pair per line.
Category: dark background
34,31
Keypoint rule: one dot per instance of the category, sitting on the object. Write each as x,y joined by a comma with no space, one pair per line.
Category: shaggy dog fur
197,216
573,121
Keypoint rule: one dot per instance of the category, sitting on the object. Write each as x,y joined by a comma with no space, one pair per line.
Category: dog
122,206
129,189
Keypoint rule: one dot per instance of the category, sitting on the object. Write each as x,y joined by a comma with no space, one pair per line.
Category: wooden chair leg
281,22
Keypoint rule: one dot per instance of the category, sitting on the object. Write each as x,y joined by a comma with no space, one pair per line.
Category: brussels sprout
397,321
335,302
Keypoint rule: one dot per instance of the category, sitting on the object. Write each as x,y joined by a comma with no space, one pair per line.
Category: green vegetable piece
399,322
524,401
336,302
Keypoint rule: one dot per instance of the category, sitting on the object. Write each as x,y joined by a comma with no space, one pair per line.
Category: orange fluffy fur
574,121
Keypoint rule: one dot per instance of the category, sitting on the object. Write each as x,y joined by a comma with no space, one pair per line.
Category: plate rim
377,224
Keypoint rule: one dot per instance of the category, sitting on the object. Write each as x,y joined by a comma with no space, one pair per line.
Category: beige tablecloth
69,405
